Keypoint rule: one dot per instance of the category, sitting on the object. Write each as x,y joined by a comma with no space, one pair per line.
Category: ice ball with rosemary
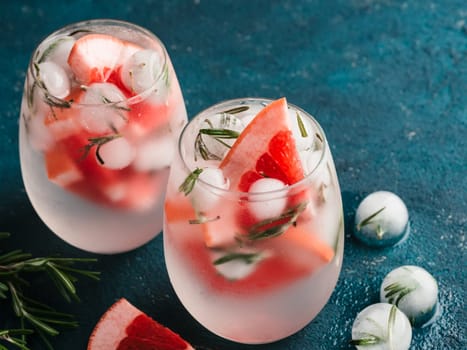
381,326
382,219
413,290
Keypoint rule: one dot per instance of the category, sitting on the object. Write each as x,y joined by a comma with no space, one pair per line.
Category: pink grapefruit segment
125,327
266,148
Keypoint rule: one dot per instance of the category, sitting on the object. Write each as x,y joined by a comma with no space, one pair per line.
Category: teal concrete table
386,79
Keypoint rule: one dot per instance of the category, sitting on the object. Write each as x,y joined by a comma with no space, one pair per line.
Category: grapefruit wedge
266,148
125,327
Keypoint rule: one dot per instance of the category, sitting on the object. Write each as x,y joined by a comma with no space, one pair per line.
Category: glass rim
80,26
252,196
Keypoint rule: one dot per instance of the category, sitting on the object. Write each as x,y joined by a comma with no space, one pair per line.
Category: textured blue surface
386,79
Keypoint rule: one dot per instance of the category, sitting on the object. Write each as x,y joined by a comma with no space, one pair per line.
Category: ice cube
216,135
105,108
57,50
142,71
207,197
265,205
54,78
40,137
117,153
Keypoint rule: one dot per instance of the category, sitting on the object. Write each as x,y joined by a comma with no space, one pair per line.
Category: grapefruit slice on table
125,327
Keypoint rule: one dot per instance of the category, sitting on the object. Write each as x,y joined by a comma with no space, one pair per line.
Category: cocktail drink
101,112
253,230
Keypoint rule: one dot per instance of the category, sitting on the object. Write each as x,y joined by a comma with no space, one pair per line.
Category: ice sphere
143,71
105,109
413,290
381,219
266,205
155,153
55,79
117,153
381,326
205,197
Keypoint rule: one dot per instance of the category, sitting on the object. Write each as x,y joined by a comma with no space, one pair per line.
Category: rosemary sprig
273,227
40,318
98,142
301,126
218,134
369,219
189,183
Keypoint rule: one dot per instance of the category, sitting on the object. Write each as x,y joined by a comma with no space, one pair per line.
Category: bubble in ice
381,326
264,205
207,197
105,110
155,153
216,135
413,290
142,70
382,219
117,153
55,79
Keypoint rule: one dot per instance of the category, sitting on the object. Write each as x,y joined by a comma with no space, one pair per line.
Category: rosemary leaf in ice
366,340
391,323
301,126
202,149
98,142
236,110
220,133
189,183
276,226
395,292
203,220
115,104
369,219
248,258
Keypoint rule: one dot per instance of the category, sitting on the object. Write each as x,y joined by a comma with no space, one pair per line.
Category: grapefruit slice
125,327
94,57
265,148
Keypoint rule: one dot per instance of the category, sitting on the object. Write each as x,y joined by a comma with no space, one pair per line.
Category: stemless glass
100,115
257,266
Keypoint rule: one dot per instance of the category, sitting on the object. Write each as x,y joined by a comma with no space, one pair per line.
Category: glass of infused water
253,225
100,115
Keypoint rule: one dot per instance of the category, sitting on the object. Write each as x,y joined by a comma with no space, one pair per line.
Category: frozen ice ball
205,194
104,108
116,154
413,290
264,205
382,219
238,264
142,70
55,79
381,326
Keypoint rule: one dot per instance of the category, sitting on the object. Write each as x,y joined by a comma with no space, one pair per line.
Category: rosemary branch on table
36,317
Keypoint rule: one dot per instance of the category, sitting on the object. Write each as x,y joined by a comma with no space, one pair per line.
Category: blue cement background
386,79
